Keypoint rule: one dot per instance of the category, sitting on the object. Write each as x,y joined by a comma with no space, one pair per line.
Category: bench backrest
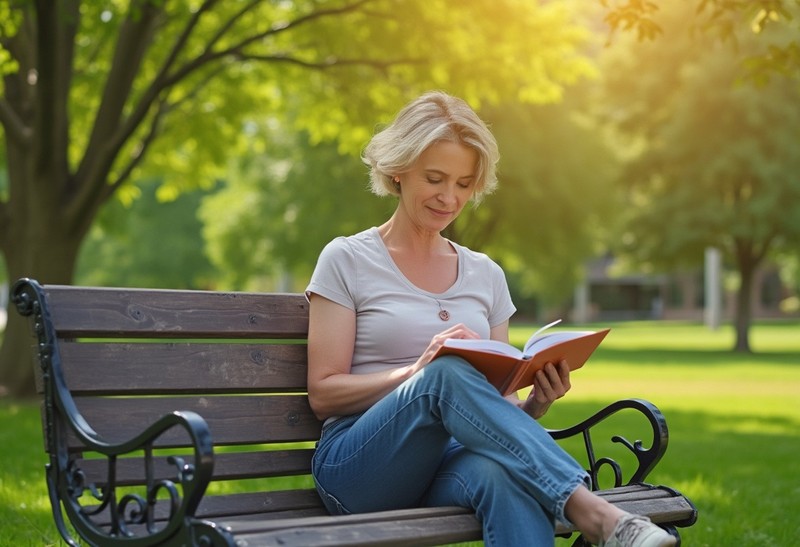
130,356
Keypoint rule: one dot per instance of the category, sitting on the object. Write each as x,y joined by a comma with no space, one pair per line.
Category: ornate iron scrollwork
646,458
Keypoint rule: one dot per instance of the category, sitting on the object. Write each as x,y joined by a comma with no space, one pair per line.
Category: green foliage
556,201
150,243
723,20
719,158
277,210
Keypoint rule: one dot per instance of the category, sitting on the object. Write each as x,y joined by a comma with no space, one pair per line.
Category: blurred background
650,168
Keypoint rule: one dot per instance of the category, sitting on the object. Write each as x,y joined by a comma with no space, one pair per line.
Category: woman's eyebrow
436,171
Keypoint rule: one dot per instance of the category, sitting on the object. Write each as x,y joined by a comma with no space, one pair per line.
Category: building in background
605,296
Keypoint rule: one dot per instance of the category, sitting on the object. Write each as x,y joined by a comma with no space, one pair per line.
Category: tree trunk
50,261
744,309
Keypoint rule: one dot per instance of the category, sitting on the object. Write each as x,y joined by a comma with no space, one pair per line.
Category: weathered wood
411,527
100,311
227,466
182,368
233,419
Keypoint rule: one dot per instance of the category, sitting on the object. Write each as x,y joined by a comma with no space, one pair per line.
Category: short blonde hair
433,117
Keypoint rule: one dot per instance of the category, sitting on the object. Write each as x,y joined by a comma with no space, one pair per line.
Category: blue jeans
446,437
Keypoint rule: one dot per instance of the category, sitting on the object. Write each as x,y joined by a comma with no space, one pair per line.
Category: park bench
156,401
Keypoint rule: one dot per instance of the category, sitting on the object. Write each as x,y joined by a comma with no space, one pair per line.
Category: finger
564,374
555,385
460,331
543,390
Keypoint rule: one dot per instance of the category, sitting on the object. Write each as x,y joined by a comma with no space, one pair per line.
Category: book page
493,346
550,339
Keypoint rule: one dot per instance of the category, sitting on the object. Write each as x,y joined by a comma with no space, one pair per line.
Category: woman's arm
332,390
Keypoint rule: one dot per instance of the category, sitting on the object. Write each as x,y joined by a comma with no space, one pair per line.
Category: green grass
734,420
734,429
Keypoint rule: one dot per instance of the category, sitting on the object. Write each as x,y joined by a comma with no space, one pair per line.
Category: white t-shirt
395,320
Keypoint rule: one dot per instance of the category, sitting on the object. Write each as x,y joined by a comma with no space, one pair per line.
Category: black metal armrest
110,515
647,458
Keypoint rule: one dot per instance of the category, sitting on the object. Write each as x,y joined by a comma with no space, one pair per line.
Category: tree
90,88
713,161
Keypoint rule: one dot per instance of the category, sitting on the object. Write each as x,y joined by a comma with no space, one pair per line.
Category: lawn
734,429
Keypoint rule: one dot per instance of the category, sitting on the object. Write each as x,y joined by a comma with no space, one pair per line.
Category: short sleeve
502,306
335,274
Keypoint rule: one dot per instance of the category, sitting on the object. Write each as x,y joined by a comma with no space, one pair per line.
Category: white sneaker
637,531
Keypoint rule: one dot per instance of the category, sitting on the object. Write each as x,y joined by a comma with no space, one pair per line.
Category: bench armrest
646,458
112,513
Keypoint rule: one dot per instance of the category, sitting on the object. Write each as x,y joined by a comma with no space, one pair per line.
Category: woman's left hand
549,384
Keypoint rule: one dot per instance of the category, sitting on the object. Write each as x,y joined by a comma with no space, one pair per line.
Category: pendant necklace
444,315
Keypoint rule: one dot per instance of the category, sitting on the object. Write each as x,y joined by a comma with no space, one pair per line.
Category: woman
403,429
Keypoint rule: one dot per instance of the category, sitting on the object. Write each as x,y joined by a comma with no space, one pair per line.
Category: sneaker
638,531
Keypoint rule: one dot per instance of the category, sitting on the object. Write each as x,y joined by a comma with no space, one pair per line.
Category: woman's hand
456,331
549,384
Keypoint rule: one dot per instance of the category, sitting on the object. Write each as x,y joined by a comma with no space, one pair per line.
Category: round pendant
444,315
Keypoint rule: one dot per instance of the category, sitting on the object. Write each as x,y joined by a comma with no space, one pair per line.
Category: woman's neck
401,236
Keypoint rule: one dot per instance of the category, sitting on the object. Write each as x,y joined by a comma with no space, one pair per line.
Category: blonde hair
433,117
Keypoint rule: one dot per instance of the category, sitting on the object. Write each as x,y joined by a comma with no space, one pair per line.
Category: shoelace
631,529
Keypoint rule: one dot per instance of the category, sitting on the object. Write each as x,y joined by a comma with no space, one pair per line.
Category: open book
509,369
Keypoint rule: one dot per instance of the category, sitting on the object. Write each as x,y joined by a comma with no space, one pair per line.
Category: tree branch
54,44
18,94
162,109
141,151
331,62
135,36
165,79
237,50
160,83
15,128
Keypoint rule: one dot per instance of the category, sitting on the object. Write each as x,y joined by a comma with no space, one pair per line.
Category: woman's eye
434,181
464,185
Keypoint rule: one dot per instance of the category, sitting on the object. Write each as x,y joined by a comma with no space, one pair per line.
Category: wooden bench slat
235,419
100,311
154,368
425,529
227,466
261,503
675,509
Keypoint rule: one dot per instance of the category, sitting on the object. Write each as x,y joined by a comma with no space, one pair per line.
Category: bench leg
674,533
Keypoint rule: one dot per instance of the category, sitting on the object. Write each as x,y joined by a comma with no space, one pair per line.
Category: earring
396,181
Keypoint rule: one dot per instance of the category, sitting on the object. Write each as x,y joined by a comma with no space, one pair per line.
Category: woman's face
436,188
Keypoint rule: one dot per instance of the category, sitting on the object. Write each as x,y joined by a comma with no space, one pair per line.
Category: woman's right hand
460,331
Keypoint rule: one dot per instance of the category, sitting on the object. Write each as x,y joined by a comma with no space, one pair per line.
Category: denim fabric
447,437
